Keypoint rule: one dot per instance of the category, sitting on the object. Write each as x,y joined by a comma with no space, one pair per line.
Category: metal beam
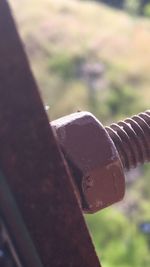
32,162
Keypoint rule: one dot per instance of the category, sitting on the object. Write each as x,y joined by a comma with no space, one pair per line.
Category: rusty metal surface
94,160
33,164
132,139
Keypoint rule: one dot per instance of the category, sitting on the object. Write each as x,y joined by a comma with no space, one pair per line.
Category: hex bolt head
93,159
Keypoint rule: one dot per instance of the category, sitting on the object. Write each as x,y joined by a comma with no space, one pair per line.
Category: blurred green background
95,56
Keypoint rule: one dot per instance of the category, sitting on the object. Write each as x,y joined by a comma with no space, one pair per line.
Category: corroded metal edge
33,164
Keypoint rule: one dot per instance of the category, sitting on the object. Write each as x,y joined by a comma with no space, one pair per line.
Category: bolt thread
132,139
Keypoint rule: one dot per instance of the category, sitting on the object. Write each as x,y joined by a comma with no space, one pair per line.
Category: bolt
132,139
97,155
93,160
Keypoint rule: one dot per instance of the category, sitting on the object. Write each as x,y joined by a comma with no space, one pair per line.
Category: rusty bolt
98,155
132,139
93,159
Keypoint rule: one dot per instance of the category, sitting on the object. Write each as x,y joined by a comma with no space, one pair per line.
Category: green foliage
122,101
132,6
64,65
121,244
138,196
147,10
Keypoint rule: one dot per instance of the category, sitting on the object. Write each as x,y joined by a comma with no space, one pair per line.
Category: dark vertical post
32,163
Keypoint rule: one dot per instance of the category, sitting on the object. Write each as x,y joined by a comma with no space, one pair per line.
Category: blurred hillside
64,39
86,55
138,6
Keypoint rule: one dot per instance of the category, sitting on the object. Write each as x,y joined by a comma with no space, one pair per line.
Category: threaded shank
132,139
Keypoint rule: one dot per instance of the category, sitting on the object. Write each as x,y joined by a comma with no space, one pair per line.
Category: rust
91,151
132,139
93,159
32,162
